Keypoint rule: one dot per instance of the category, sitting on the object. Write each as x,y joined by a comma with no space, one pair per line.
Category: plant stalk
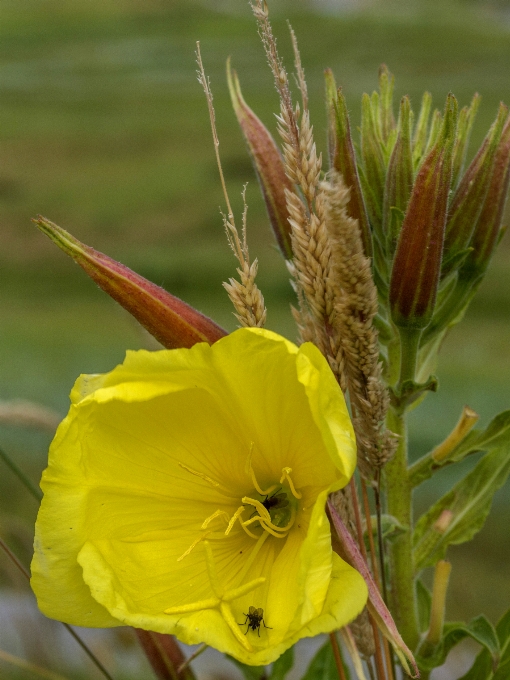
399,505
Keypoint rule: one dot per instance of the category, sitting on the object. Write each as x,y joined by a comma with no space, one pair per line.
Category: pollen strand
233,519
199,474
249,469
243,590
253,554
286,477
194,607
218,513
234,627
193,545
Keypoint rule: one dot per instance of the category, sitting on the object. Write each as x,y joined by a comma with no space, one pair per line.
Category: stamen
194,607
243,524
235,516
267,528
193,545
243,590
232,624
249,469
218,513
286,476
258,506
199,474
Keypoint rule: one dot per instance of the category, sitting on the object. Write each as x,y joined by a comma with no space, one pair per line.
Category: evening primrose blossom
187,486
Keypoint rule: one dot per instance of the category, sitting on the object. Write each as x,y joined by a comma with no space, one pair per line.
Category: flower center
265,512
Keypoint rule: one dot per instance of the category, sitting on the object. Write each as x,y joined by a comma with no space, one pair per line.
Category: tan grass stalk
244,294
354,309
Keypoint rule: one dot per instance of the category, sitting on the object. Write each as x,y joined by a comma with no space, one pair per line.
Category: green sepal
479,629
483,667
387,119
420,132
468,502
323,666
466,119
373,160
282,665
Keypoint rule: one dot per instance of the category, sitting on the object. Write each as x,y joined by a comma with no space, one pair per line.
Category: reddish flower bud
170,320
487,230
268,164
343,159
417,263
164,655
469,197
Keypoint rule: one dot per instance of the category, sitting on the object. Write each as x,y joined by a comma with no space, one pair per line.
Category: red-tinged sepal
170,320
417,264
268,164
469,197
399,178
343,158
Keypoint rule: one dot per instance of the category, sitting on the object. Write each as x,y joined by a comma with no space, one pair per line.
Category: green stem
399,504
409,345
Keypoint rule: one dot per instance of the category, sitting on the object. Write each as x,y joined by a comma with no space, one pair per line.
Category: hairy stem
399,505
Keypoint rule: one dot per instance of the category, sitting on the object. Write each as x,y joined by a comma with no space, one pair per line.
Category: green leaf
323,666
483,667
424,604
249,672
496,433
468,502
282,665
479,629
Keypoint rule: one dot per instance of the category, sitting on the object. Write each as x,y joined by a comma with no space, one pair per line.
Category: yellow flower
185,494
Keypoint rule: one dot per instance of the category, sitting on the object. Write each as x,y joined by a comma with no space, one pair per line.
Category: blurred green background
104,130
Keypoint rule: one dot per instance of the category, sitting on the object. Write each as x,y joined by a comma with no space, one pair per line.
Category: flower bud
488,226
343,159
469,197
170,320
417,263
268,164
399,178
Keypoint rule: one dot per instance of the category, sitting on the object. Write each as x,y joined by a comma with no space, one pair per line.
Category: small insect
277,500
254,618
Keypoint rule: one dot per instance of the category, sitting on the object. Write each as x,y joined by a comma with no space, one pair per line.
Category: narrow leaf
479,629
466,506
483,667
349,551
